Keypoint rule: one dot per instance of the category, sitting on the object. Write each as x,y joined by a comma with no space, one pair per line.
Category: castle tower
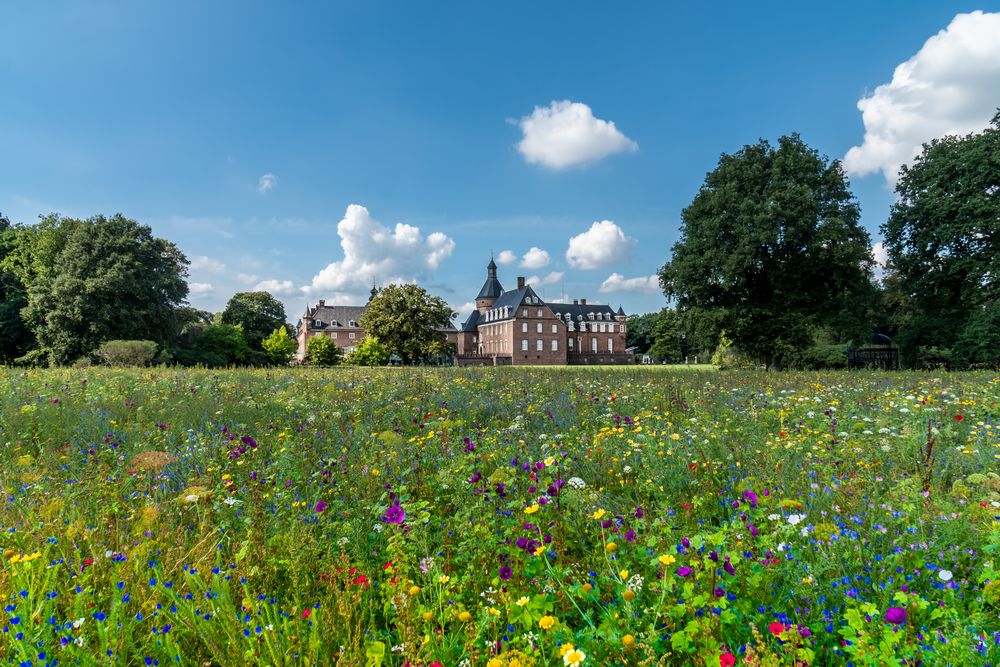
492,289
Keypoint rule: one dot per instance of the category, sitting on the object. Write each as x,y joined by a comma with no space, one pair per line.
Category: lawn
499,517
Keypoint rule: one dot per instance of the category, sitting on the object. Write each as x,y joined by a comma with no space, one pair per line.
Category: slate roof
471,324
491,289
577,310
336,316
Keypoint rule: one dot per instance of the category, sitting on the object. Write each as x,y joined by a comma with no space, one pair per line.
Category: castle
508,328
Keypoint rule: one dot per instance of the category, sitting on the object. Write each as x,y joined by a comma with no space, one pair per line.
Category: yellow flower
523,600
444,579
564,649
549,461
375,472
628,595
623,574
464,616
494,662
532,509
546,622
539,551
597,514
574,657
628,641
494,611
414,590
610,547
667,559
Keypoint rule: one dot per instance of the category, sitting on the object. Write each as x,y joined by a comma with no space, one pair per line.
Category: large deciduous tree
771,250
943,242
409,322
15,338
95,280
258,313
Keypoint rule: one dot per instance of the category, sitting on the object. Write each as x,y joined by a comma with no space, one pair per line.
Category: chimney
322,302
520,282
583,302
576,302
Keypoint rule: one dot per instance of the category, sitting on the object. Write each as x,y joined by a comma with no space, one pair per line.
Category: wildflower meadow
498,517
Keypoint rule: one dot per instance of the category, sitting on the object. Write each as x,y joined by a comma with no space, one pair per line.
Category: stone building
517,327
342,324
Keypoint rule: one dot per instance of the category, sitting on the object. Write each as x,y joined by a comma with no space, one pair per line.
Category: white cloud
464,309
616,282
246,278
279,287
949,87
601,245
566,133
535,258
881,256
375,253
267,183
549,279
506,257
203,263
200,288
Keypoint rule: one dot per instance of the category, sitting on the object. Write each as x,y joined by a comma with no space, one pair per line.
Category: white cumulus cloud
266,183
200,288
601,245
549,279
566,133
246,278
506,257
278,287
204,263
535,258
949,87
376,253
616,282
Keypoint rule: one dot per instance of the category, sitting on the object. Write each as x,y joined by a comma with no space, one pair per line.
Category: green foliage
258,313
978,344
772,248
127,352
943,244
321,351
15,338
727,356
409,322
94,280
217,346
639,331
370,352
279,346
667,337
824,355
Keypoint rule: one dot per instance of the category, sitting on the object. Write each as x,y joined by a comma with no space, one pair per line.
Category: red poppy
959,417
776,628
727,660
306,612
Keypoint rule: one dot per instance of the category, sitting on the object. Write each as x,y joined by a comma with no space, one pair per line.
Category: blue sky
252,133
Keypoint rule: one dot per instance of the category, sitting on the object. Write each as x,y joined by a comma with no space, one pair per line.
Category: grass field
499,517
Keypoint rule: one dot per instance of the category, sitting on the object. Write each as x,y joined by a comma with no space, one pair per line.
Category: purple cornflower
394,514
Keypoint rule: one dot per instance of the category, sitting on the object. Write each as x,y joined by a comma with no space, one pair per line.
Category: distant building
342,324
518,328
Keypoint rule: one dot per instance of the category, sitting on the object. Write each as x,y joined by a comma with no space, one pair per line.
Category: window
473,339
524,327
571,343
351,335
555,329
555,346
611,345
538,328
593,344
540,312
333,334
318,324
602,327
539,344
524,345
524,312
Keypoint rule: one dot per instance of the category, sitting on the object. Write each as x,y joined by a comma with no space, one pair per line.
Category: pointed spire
373,292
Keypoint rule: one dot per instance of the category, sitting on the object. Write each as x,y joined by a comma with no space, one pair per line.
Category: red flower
436,664
776,628
959,417
306,612
727,660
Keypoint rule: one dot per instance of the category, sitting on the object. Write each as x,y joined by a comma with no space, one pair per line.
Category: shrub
127,352
321,351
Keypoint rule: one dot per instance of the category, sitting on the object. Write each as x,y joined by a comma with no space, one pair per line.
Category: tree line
773,267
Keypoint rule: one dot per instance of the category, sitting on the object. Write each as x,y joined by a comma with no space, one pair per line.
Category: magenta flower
394,514
683,571
320,506
895,615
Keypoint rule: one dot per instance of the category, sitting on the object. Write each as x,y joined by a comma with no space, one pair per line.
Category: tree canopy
408,321
943,242
15,338
258,313
771,250
94,280
321,351
279,346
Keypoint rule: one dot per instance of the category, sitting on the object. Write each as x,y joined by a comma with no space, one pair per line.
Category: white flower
945,575
773,517
77,623
576,483
795,519
627,469
193,498
232,501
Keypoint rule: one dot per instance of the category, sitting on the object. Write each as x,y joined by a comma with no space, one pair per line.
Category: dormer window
352,323
318,324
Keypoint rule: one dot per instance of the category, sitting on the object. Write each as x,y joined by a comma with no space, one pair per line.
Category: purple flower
638,513
728,567
751,498
248,441
686,542
719,592
505,572
394,514
630,536
320,506
895,615
683,571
